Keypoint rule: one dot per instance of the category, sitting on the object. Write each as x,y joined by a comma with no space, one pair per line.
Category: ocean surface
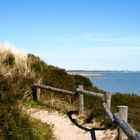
114,81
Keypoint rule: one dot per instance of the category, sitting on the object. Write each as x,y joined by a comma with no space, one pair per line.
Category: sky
75,34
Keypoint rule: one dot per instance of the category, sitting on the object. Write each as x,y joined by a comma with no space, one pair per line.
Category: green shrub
59,78
16,125
81,80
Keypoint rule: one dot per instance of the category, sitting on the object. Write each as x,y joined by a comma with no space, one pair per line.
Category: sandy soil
64,129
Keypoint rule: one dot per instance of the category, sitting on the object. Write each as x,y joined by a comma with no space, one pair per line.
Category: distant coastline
87,74
92,75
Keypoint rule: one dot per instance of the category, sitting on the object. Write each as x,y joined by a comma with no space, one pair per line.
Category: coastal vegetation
16,78
19,71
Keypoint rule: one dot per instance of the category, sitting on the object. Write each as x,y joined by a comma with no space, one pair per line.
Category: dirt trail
64,129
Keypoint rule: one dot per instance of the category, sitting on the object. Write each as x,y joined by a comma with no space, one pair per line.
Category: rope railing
120,118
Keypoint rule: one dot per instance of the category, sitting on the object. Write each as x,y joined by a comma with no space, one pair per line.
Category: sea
116,81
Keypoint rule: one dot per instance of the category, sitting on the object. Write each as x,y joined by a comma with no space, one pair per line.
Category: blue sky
75,34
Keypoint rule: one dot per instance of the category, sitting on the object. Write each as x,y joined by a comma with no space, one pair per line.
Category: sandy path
64,129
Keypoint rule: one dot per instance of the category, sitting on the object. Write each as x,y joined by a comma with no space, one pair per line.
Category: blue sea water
123,81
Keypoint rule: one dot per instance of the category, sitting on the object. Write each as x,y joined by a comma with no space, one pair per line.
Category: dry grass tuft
12,60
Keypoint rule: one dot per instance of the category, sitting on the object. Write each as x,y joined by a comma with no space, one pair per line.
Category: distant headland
85,74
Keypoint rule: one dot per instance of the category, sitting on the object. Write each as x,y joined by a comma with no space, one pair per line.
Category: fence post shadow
91,131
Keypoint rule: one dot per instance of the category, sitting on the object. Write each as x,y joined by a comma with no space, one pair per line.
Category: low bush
16,125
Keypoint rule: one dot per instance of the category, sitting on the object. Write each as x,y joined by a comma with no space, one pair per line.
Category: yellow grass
20,61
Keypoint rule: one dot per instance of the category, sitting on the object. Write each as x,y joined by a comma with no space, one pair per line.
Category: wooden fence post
108,103
123,112
38,91
81,101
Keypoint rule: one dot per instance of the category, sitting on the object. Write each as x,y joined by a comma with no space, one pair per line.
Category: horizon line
106,70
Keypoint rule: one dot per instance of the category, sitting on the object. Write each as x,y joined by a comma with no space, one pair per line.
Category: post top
122,106
80,86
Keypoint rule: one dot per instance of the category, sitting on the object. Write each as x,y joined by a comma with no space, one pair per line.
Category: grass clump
31,104
10,57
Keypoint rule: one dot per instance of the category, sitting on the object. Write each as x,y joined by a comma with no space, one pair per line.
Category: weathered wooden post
38,91
81,100
108,103
123,111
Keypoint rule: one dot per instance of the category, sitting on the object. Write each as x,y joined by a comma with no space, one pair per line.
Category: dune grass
12,59
16,79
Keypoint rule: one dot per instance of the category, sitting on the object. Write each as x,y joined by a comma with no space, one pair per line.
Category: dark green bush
16,125
81,80
59,78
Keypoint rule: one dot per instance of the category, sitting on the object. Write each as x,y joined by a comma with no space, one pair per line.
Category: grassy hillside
18,71
16,78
